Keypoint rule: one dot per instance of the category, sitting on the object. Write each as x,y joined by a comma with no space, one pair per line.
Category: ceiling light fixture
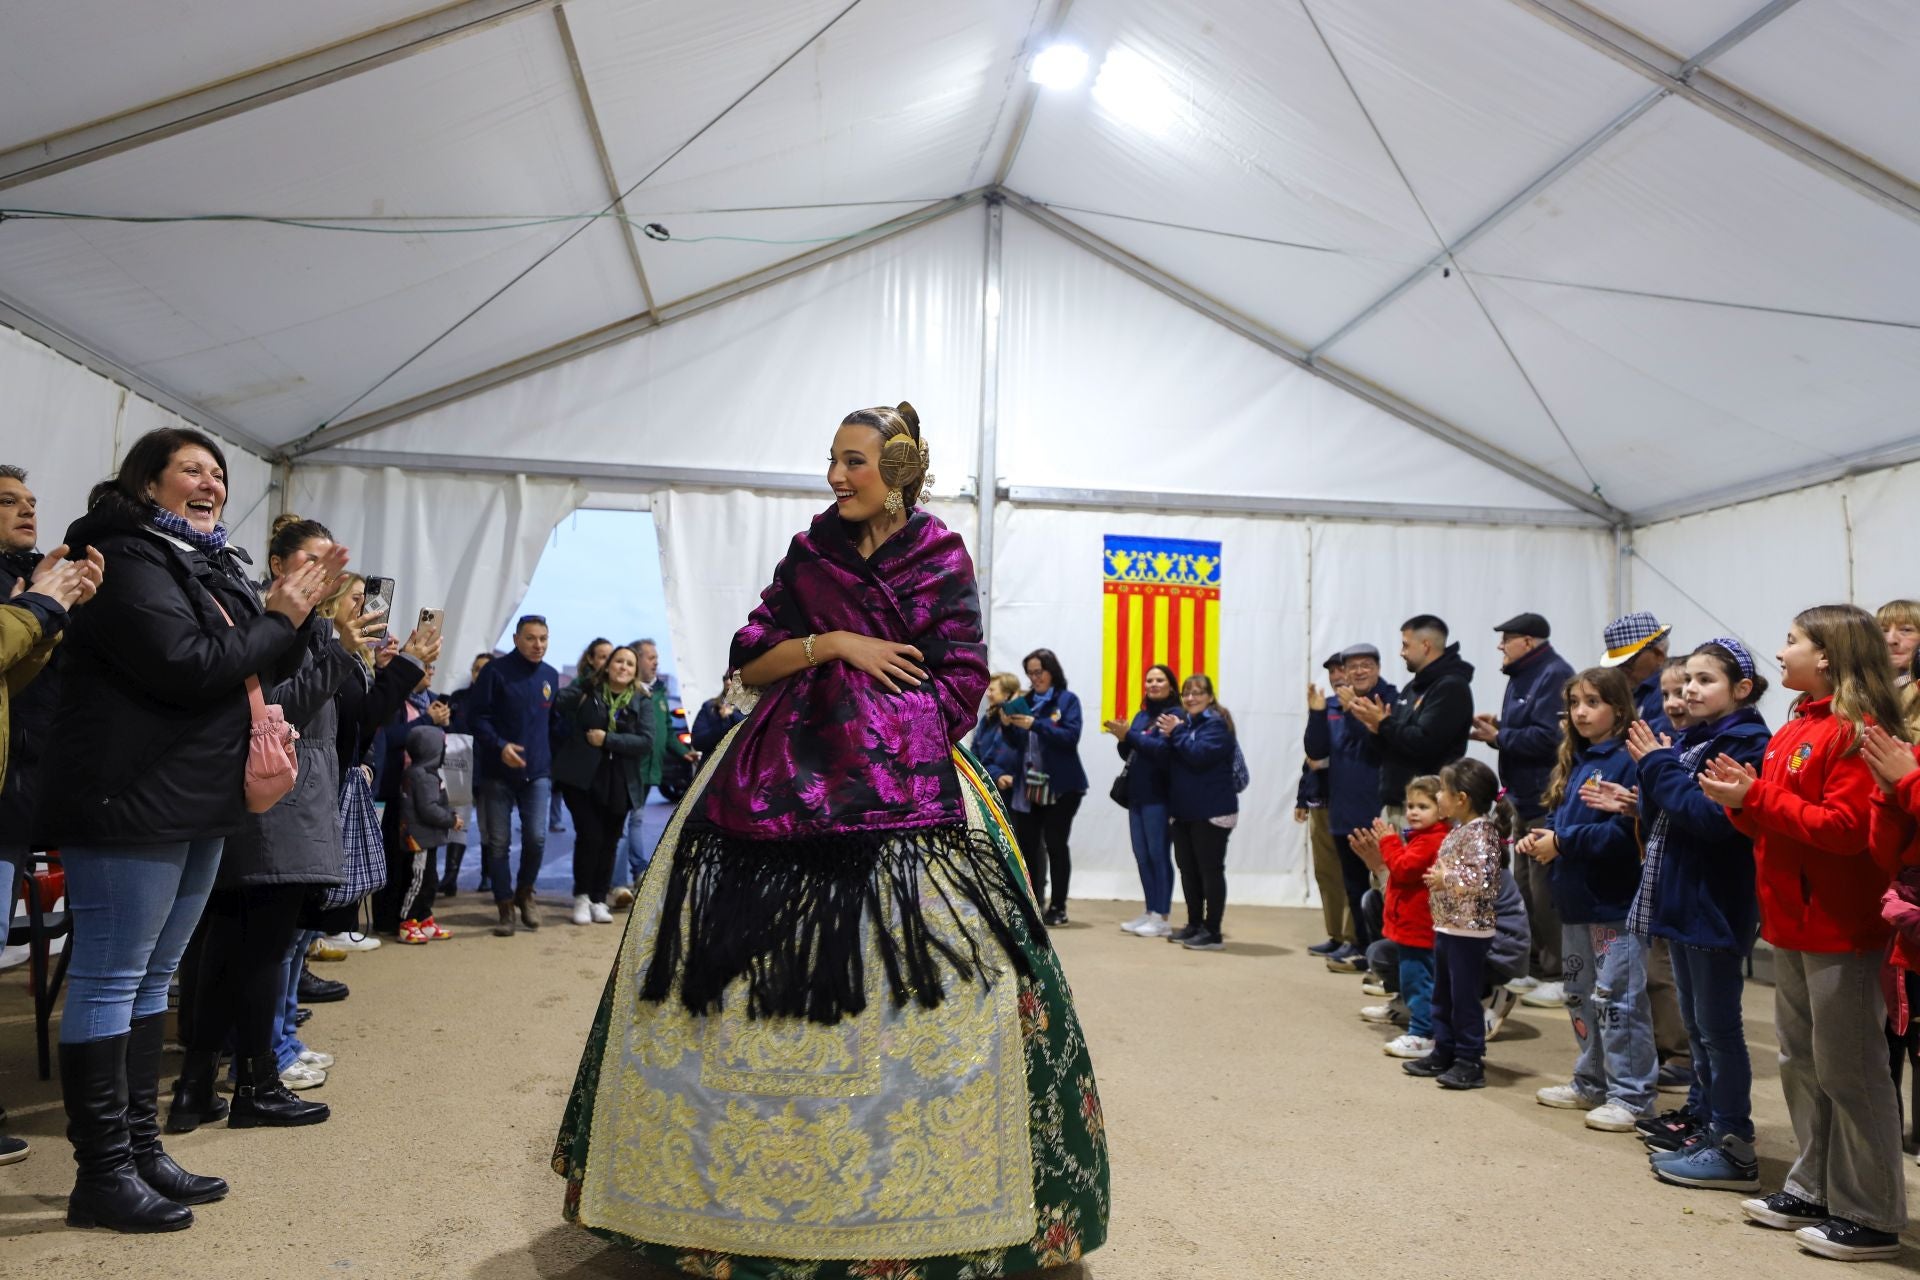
1132,90
1059,66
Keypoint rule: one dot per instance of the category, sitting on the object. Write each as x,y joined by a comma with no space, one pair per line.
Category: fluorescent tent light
1059,66
1132,90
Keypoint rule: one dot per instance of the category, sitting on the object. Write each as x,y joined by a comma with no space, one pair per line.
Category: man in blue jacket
1353,782
1527,735
509,706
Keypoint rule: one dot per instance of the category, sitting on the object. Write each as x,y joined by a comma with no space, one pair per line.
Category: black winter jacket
149,744
1430,725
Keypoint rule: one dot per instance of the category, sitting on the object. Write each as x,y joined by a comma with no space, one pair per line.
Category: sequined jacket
1466,897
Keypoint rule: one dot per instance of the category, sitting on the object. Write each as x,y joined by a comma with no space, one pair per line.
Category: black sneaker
1669,1131
13,1150
1205,941
1428,1067
1326,948
1785,1211
1665,1122
1463,1075
1848,1241
1184,932
1348,959
320,990
1692,1142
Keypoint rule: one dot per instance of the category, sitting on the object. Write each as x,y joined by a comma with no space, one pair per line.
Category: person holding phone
511,705
1054,782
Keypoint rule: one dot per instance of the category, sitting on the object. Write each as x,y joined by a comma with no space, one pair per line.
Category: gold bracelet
807,646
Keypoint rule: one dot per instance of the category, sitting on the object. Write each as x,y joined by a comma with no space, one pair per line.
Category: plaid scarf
176,526
1640,914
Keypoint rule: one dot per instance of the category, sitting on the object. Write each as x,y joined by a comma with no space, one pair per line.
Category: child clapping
1408,923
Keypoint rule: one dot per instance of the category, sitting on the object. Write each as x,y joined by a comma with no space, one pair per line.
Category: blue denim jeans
1710,984
1152,853
290,1046
1416,989
633,855
133,908
498,801
1606,985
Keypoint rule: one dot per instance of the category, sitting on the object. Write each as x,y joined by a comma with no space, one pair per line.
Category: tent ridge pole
599,141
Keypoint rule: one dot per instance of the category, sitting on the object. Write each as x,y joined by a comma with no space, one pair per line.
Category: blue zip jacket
1706,896
1312,791
1056,719
996,751
512,701
1598,869
1353,765
1149,776
1530,731
1200,759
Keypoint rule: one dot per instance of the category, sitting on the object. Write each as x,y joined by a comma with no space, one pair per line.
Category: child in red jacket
1820,889
1408,920
1893,831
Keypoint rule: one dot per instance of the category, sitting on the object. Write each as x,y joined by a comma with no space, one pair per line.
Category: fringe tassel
787,914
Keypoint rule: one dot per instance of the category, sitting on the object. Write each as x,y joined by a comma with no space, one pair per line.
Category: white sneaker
582,910
1611,1117
1155,927
1546,995
1523,984
600,913
1498,1007
1566,1098
352,941
1372,986
1408,1046
302,1076
1133,925
1376,1013
315,1058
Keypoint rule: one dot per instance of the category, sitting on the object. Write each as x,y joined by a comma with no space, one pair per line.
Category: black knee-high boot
195,1100
108,1191
156,1167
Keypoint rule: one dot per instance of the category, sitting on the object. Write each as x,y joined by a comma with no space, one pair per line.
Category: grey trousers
1828,1013
1543,918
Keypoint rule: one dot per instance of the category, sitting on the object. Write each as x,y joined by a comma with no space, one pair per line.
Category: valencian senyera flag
1161,604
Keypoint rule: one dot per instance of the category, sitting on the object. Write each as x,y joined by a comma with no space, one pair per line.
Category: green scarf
618,702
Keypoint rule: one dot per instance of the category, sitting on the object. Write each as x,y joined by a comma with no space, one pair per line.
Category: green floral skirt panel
904,1142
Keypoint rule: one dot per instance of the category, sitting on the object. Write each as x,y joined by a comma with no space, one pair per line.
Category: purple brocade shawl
829,749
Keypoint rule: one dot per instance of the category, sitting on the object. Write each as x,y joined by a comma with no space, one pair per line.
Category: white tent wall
465,543
69,427
1746,570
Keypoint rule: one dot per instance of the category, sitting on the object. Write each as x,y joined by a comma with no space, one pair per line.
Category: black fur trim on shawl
787,914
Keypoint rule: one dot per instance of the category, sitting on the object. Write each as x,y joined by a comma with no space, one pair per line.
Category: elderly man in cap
1527,735
1353,782
1310,807
1638,642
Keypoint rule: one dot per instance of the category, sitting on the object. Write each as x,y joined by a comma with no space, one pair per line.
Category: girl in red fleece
1408,918
1819,889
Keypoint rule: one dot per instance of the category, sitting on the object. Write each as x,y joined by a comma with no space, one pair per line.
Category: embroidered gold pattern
785,1165
786,1057
943,1162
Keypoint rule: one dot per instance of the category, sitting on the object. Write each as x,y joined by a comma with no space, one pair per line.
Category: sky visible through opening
599,576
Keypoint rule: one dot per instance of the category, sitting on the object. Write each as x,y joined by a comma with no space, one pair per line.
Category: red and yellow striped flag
1161,604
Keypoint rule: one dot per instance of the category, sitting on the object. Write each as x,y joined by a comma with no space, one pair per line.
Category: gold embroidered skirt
946,1143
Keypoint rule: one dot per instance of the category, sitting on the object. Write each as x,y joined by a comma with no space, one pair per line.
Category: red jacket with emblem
1819,884
1408,919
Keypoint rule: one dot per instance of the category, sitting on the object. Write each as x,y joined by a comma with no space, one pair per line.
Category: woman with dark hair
1197,743
234,980
1149,783
597,767
593,660
833,969
145,780
1053,782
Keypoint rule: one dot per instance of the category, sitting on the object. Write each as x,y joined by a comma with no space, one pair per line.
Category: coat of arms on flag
1161,604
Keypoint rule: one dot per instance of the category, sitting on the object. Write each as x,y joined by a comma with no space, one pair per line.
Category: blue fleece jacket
1056,722
1149,776
1199,754
996,749
1598,869
1353,764
1529,739
1706,896
512,701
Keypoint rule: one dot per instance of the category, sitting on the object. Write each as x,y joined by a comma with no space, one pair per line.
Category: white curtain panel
467,544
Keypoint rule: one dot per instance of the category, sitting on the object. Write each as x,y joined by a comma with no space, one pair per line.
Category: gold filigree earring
895,504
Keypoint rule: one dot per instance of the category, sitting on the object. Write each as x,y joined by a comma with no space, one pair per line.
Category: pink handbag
273,762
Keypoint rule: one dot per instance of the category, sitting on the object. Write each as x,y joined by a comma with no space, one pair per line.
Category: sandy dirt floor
1257,1131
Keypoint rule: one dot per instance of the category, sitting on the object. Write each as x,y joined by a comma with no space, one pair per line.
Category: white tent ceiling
1564,239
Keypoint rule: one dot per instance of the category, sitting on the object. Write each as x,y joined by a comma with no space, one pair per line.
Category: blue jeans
1710,984
1152,853
290,1046
1416,989
633,855
498,801
133,908
1606,985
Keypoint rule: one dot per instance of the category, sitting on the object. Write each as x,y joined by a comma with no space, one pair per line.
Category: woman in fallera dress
836,1043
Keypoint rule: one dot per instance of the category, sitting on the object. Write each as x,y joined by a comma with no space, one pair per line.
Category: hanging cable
1717,620
610,205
